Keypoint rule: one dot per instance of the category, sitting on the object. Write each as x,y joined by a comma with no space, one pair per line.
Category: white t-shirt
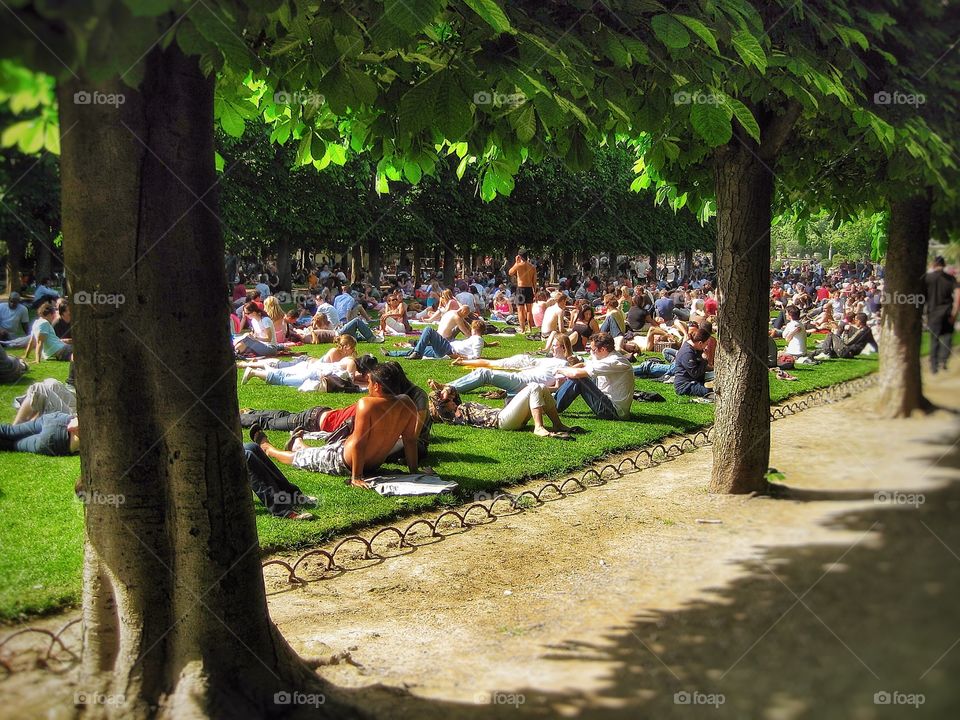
614,377
797,345
469,348
465,298
333,315
13,320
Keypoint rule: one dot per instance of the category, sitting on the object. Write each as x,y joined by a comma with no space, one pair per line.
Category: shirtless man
526,286
380,421
553,319
454,320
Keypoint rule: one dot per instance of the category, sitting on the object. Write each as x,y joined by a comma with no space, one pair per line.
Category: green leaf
218,161
711,123
149,8
744,117
412,172
453,117
524,123
417,107
701,31
411,16
488,187
670,32
492,13
749,50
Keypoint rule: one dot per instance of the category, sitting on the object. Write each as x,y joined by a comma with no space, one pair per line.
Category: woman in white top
263,340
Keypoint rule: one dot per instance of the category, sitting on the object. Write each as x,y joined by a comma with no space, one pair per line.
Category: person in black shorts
526,285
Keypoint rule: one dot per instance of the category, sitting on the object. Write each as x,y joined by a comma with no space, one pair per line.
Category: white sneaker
821,356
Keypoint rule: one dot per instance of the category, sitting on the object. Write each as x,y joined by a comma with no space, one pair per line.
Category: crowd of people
588,336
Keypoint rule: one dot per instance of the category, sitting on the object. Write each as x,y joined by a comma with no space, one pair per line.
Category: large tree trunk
174,609
356,262
283,265
687,270
741,446
374,259
449,264
416,266
653,263
909,234
15,246
43,258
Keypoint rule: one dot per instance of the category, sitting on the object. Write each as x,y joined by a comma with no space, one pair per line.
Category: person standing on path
942,303
526,286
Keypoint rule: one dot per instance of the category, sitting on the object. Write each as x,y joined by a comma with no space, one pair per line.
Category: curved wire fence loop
291,574
353,538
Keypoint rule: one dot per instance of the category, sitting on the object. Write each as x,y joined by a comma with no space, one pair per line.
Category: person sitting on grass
433,345
319,331
794,332
614,323
691,365
262,341
605,381
324,419
381,419
14,322
850,343
44,340
11,368
54,434
533,401
664,330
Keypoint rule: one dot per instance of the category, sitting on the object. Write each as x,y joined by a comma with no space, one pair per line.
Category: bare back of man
381,421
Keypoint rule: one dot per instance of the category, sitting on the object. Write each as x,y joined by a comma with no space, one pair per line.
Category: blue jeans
431,344
611,326
653,369
358,328
483,376
47,435
600,404
277,494
694,389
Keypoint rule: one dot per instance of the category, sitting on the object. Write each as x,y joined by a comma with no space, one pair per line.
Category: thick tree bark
174,608
741,446
449,264
374,259
43,259
909,235
567,263
653,263
416,266
356,262
283,265
687,270
15,246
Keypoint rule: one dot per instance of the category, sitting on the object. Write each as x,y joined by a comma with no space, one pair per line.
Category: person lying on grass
540,370
533,401
381,419
329,420
433,345
51,434
336,371
279,496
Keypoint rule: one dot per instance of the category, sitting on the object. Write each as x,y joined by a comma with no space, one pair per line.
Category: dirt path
611,602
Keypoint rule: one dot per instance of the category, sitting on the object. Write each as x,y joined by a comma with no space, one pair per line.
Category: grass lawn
42,528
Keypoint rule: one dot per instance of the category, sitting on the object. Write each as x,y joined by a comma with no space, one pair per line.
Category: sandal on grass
576,430
257,434
294,436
